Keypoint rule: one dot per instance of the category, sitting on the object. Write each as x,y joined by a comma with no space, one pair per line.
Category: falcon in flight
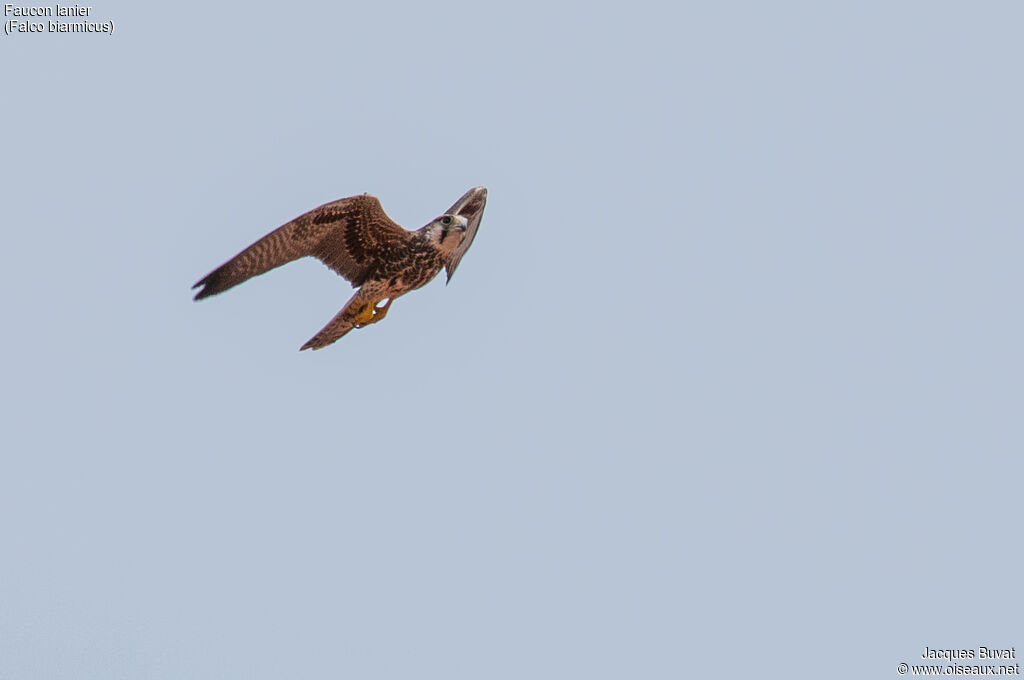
355,237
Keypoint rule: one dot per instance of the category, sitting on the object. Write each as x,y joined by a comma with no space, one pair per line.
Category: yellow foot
364,317
372,313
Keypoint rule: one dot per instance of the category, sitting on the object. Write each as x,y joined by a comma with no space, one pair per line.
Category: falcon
355,237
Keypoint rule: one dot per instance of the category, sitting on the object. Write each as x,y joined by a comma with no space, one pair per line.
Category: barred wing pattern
347,235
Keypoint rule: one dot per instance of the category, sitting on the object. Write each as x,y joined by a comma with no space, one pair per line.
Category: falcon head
445,233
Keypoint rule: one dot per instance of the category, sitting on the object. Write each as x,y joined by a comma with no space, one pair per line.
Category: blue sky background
729,385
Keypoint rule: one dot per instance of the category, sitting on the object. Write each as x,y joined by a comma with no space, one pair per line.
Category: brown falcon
355,237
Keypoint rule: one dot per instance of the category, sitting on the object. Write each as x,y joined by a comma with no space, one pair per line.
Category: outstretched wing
470,206
348,235
343,321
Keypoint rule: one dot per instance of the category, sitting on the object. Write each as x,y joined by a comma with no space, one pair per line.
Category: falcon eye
446,220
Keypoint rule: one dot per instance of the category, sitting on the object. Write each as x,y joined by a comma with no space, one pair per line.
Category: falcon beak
461,223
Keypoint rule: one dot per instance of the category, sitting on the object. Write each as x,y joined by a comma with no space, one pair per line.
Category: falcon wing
470,206
342,323
348,235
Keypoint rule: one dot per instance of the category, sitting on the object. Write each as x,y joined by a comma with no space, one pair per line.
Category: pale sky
729,384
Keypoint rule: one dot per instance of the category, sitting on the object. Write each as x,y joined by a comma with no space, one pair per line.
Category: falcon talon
364,317
355,237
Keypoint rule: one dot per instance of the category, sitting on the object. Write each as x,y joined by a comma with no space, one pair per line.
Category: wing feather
348,235
470,206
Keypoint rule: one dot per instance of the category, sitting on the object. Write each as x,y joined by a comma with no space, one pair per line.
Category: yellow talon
365,316
371,314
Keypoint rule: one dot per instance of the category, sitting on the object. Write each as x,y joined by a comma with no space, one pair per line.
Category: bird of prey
355,237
